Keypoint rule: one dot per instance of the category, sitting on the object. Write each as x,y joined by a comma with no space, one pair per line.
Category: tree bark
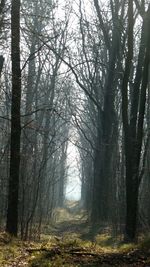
12,212
133,128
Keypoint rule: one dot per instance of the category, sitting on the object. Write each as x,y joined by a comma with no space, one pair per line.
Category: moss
12,250
38,255
145,243
8,253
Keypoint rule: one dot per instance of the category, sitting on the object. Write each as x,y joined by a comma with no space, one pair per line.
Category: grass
14,250
10,249
64,236
104,245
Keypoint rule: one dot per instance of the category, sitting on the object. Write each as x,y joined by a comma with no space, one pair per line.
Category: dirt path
70,250
64,247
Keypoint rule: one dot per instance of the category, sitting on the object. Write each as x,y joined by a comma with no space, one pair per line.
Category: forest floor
66,245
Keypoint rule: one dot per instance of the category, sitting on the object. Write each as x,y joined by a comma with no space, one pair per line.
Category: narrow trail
75,251
74,244
64,245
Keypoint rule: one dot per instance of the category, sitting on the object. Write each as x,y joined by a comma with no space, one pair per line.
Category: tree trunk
12,212
133,130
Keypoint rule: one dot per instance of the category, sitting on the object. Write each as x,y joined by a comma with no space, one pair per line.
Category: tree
12,212
2,6
133,120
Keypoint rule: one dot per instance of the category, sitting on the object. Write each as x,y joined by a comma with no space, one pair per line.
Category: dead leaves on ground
65,255
68,253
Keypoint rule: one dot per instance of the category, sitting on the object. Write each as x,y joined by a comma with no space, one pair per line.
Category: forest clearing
68,244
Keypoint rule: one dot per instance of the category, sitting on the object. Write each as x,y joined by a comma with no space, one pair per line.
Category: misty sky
73,188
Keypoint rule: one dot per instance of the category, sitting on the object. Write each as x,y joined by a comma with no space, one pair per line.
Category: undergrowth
63,245
12,250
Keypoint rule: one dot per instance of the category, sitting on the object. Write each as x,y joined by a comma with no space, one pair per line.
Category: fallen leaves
83,256
68,251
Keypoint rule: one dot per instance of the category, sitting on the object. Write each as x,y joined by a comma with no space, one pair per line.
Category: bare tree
133,122
12,213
